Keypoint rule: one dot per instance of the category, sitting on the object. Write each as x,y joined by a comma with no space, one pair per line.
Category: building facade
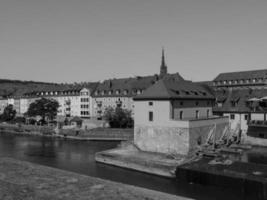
175,118
120,92
72,102
241,97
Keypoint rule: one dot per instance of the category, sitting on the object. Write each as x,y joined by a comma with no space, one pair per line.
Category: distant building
252,79
72,102
120,92
175,117
241,96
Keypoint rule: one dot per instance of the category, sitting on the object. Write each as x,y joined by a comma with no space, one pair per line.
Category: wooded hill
18,88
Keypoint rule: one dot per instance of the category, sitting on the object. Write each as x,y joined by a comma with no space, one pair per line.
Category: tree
9,113
118,118
46,108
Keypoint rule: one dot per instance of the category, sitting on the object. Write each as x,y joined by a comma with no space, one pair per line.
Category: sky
92,40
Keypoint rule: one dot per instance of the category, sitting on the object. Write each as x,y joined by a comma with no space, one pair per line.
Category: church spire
163,66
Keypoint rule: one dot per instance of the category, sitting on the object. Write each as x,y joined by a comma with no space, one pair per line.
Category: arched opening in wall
181,114
197,114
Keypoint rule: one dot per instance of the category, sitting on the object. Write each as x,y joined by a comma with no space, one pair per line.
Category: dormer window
103,92
110,92
138,91
125,92
117,91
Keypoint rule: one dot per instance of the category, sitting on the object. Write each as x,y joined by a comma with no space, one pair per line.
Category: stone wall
175,139
169,140
198,135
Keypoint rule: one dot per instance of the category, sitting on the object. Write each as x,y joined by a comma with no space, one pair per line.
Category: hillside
18,87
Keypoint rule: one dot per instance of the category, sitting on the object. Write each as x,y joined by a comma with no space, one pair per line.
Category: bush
118,118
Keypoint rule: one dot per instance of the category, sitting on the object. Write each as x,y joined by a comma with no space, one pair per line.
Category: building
72,102
3,104
241,96
253,79
175,117
120,92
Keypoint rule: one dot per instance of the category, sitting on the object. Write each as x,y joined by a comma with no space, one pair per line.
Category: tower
163,66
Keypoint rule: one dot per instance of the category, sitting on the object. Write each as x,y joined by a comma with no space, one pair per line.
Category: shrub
118,118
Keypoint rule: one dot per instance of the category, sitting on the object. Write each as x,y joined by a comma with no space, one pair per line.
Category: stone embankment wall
26,129
100,133
177,139
97,133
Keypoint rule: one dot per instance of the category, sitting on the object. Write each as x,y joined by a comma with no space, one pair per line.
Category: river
78,156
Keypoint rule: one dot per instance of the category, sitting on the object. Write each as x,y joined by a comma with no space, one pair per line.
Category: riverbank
27,181
110,134
130,157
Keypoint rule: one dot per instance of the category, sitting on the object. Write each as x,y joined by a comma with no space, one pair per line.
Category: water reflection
78,156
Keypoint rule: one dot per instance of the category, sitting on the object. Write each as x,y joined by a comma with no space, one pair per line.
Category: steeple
163,66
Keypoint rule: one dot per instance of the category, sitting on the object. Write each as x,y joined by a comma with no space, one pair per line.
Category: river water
78,156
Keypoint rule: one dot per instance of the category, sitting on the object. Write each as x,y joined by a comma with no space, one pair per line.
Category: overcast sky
91,40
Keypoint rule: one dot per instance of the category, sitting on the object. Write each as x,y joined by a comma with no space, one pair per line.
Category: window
150,103
181,103
232,116
208,113
197,103
150,115
219,104
197,114
246,117
181,114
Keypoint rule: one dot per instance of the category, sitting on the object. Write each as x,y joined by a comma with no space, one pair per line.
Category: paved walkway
26,181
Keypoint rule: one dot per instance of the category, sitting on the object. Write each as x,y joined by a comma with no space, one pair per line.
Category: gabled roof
132,84
242,75
167,89
240,98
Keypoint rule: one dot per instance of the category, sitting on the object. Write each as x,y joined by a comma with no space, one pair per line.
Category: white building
72,102
175,118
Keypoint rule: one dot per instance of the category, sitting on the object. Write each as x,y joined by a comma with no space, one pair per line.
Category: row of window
85,106
117,92
84,99
84,112
232,116
150,103
84,93
181,115
241,81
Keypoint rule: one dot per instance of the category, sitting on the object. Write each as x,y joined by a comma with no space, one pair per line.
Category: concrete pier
21,180
148,162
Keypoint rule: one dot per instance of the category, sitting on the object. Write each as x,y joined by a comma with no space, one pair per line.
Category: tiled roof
242,75
62,90
131,85
240,97
167,89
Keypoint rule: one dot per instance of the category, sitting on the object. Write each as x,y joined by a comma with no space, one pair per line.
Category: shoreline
99,135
